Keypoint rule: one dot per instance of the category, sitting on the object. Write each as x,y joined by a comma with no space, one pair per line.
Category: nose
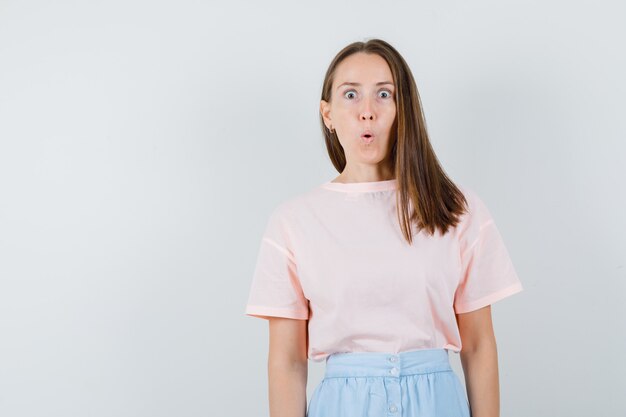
366,112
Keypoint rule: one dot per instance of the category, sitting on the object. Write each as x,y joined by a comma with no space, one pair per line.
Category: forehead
363,69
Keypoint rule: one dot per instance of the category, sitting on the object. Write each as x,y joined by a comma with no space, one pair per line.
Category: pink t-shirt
336,256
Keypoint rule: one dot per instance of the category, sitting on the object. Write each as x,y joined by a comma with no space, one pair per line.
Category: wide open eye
348,92
387,92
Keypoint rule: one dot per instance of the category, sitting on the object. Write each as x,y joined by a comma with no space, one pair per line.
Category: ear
325,112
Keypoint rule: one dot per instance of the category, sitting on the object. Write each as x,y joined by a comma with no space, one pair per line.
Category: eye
348,92
386,91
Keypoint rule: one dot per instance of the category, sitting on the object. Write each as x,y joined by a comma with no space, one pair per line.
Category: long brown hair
426,196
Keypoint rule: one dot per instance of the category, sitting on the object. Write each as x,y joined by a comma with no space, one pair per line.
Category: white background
144,143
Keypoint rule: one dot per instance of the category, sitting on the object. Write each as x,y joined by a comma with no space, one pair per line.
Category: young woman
383,270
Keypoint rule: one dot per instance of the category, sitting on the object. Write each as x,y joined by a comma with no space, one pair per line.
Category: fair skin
479,358
287,367
354,109
370,105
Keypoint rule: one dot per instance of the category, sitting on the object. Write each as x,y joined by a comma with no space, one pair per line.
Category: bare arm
479,358
287,367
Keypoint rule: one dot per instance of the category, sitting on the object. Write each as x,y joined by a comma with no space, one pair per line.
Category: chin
371,159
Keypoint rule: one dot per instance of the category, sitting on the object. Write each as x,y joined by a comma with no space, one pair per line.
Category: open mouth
367,138
367,135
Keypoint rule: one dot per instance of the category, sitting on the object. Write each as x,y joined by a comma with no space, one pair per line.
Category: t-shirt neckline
361,186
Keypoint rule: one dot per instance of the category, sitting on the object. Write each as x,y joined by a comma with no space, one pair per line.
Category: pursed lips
367,134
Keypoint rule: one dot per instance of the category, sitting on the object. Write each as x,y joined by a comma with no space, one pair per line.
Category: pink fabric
335,256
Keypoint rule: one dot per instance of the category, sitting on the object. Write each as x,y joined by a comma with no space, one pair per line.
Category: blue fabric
379,384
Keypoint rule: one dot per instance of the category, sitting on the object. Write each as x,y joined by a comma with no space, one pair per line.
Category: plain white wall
144,143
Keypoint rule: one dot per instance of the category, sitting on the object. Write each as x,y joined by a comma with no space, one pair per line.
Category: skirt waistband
364,364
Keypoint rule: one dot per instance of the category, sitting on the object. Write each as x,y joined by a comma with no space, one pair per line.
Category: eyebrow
358,84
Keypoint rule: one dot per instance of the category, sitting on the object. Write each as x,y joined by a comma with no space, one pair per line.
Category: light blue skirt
378,384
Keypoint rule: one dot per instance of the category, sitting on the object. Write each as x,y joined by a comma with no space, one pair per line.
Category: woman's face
365,105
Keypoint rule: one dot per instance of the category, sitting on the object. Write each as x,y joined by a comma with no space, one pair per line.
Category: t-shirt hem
263,312
489,299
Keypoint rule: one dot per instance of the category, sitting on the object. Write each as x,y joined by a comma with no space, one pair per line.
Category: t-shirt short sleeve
276,290
487,272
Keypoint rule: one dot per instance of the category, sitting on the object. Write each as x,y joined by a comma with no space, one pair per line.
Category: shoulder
477,213
290,209
298,203
475,203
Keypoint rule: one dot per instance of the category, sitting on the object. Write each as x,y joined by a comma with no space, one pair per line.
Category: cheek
344,110
389,108
390,116
392,113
